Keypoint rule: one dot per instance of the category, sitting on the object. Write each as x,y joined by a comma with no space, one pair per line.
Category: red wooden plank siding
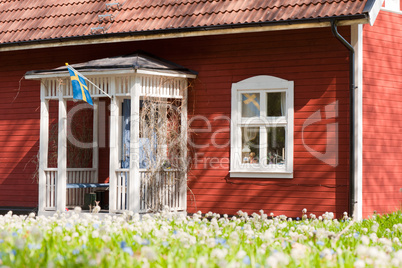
318,65
382,123
19,132
312,58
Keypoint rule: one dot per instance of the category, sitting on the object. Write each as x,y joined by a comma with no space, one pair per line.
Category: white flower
299,251
233,238
148,253
359,264
374,227
19,243
277,259
397,260
373,237
219,253
95,234
365,240
304,211
241,254
36,233
106,238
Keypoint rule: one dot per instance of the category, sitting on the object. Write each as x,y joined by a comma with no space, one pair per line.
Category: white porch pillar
43,148
95,150
134,183
183,128
113,145
357,43
62,153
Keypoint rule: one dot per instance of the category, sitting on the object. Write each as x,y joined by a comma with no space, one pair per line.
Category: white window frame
261,84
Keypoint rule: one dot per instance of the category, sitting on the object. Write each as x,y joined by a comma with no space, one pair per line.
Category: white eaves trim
209,32
108,72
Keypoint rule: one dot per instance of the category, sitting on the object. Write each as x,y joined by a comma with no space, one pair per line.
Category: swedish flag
251,105
80,88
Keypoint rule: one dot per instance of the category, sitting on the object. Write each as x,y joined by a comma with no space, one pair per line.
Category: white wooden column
62,153
357,43
95,150
113,145
134,183
43,148
183,128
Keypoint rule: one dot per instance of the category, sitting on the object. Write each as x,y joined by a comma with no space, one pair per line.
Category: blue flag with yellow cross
80,88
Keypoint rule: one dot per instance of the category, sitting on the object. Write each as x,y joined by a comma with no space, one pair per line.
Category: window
262,128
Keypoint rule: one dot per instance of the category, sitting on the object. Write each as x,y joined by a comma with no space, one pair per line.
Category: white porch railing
122,176
165,189
76,196
50,193
161,191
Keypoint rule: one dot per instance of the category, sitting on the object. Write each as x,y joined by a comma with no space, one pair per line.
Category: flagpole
69,66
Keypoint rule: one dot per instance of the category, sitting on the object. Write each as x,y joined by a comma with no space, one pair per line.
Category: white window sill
261,174
399,12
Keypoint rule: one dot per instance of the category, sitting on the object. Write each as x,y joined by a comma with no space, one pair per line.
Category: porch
147,124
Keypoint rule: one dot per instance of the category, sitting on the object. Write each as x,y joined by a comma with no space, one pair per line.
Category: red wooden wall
317,63
382,123
312,58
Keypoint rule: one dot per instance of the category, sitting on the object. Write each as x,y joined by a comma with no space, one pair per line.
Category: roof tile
26,20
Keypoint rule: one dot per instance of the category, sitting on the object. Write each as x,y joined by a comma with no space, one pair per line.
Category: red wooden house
283,106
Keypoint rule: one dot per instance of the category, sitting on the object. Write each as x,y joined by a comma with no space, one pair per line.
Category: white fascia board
108,72
85,73
373,13
158,36
161,73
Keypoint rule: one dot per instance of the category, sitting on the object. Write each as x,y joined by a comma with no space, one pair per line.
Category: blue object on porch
86,185
144,143
125,162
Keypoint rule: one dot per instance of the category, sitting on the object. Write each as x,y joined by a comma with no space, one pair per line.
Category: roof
29,21
139,62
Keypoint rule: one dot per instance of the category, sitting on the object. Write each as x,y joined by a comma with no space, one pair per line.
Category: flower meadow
166,239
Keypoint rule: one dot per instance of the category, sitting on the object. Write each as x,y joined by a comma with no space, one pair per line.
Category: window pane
250,144
276,104
276,145
250,105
